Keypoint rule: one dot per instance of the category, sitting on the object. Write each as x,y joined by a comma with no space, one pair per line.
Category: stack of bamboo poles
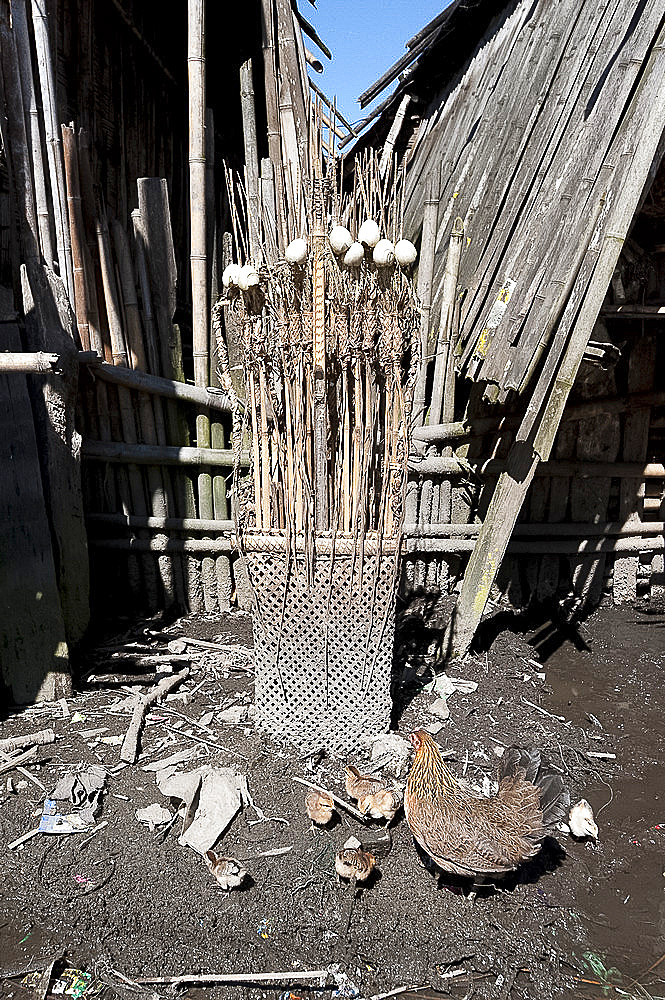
330,356
121,283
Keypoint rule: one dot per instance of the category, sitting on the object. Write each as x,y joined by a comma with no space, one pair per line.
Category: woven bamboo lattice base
324,650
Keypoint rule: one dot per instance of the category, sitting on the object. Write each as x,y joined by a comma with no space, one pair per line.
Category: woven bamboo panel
323,648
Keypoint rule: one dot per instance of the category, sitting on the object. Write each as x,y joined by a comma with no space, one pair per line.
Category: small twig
559,718
208,743
400,989
605,756
94,833
340,802
21,840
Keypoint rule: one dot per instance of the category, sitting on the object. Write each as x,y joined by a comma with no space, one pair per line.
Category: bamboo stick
119,451
47,84
197,187
20,27
76,233
16,142
35,361
251,160
272,112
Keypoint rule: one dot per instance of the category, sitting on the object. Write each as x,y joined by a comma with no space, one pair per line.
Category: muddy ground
582,918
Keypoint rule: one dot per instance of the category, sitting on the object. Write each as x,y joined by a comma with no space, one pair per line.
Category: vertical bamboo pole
251,159
272,110
127,417
157,491
47,85
17,142
197,181
77,237
20,26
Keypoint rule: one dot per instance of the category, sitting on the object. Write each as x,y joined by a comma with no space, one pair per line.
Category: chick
581,821
229,872
354,863
319,806
382,804
357,785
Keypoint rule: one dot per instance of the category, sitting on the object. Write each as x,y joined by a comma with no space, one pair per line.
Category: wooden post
49,326
35,658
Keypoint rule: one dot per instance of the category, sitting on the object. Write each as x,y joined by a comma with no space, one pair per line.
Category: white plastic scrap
153,815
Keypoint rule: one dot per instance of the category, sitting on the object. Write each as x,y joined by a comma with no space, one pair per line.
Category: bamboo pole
157,499
20,27
272,112
251,160
142,454
47,84
77,234
197,187
16,142
36,361
126,409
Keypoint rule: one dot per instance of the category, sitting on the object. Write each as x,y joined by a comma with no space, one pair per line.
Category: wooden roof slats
523,139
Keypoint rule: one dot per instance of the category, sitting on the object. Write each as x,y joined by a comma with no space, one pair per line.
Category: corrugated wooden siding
527,144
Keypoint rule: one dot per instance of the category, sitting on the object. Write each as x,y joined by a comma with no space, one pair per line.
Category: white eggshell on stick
369,233
230,275
297,251
405,253
384,253
354,255
248,277
340,239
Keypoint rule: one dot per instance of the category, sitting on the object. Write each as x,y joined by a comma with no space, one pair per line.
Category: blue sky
365,37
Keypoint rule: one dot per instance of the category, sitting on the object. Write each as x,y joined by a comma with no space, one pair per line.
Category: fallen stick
248,977
129,749
20,759
31,739
21,840
340,802
597,753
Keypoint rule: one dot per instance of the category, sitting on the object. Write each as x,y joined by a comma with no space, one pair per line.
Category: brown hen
467,835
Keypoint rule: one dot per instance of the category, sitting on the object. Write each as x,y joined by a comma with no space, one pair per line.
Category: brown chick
354,863
357,785
229,872
319,806
468,835
382,804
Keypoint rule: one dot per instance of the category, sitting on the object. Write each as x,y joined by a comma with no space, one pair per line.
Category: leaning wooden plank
130,746
34,665
49,326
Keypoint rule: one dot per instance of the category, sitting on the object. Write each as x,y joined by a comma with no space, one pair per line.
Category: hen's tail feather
554,796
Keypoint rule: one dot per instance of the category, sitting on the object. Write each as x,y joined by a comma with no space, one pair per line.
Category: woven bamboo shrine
177,443
330,356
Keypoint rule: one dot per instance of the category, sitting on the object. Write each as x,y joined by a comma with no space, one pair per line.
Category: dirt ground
582,918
